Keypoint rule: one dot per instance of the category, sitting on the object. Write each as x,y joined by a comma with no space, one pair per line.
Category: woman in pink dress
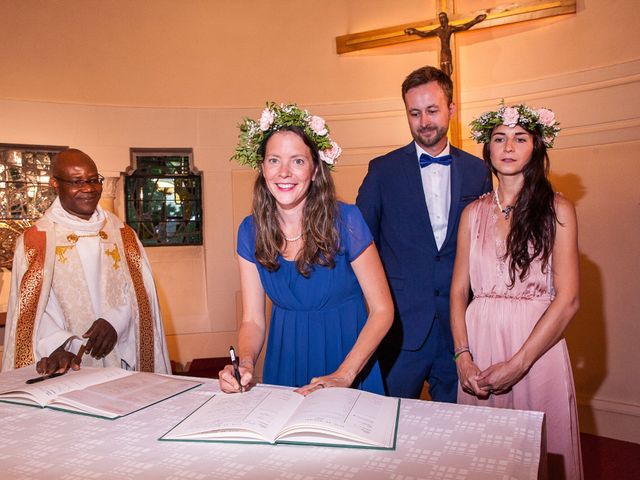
518,251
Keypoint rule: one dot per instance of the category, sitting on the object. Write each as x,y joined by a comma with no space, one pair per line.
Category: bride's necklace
293,239
506,211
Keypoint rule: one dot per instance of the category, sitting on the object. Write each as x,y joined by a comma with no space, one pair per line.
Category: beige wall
108,75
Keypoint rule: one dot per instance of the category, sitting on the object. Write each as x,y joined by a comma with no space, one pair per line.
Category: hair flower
546,117
317,124
510,117
266,119
273,118
330,155
542,121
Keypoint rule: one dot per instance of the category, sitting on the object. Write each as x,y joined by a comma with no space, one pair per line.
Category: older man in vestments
80,278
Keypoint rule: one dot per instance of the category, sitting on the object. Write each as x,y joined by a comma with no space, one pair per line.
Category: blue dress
315,321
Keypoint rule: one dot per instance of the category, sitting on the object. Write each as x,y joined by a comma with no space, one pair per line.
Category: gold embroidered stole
72,289
32,283
145,321
28,296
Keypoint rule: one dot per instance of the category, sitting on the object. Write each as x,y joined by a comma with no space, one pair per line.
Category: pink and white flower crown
273,118
541,120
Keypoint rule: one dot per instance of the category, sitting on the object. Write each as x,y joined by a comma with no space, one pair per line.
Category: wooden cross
517,11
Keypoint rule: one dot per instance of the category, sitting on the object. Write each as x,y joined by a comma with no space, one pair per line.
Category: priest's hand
102,338
60,360
227,378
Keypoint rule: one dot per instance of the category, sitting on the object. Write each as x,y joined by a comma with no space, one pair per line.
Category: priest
81,283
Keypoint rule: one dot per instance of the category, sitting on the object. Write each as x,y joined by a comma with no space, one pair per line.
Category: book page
14,388
124,395
258,414
360,417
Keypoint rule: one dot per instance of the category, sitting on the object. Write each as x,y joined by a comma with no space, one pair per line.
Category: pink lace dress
499,320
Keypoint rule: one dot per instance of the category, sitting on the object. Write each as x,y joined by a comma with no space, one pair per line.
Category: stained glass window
163,197
24,191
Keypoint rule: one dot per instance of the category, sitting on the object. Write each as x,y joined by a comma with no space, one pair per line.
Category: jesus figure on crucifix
444,32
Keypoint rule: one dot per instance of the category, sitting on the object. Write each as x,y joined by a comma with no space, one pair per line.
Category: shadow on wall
586,335
165,311
570,186
167,321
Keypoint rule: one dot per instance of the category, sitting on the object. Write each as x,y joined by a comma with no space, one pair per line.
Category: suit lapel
456,191
418,205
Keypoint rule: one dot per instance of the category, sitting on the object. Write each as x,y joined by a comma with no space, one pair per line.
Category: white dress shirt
436,184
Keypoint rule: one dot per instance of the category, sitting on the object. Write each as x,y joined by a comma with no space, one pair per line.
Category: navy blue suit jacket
393,204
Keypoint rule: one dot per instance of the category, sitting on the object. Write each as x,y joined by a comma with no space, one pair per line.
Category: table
435,441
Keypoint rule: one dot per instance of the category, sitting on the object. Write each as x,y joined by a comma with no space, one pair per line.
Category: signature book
340,417
101,392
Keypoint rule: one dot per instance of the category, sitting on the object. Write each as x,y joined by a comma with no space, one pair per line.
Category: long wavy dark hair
533,224
319,227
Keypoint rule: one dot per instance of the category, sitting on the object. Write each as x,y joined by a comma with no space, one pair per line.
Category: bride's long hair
533,223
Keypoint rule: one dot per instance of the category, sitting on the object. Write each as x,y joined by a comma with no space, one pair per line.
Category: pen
78,357
44,377
234,362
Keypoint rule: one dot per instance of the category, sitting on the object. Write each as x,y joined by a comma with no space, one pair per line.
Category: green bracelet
464,350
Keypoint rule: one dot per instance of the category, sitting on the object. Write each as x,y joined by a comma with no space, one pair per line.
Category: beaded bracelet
460,352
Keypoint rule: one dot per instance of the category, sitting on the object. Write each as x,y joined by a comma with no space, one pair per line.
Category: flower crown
541,120
273,118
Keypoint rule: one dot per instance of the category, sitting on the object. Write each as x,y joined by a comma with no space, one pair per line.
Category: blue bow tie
426,160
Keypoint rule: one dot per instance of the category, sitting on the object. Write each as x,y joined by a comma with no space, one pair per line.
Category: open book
102,392
329,416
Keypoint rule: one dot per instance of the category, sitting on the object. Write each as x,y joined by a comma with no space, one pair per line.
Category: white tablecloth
435,441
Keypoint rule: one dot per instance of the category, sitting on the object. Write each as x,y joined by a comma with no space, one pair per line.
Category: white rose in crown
266,119
546,117
510,117
330,155
317,124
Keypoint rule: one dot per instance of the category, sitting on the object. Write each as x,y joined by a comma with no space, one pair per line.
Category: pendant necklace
506,211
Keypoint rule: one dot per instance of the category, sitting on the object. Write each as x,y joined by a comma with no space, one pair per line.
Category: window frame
12,226
137,153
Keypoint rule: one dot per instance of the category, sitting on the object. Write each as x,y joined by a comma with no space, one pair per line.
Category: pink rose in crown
266,119
317,124
546,117
510,117
330,155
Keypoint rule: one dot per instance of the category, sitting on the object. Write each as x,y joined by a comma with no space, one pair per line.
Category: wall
105,76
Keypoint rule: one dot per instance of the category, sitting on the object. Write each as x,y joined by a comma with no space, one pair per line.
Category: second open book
330,416
101,392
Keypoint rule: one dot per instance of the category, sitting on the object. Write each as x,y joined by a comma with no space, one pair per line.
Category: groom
412,199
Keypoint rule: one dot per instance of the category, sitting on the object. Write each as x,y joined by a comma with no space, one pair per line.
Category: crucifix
445,26
444,32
